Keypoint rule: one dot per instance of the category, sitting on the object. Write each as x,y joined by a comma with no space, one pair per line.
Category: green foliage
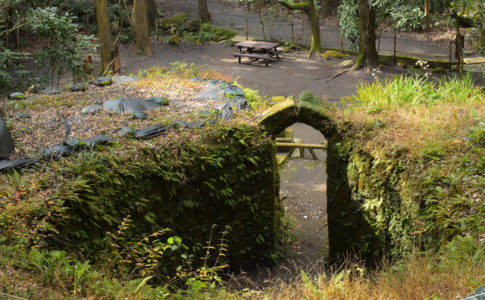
407,17
192,31
63,50
411,91
12,72
226,178
209,32
307,97
349,25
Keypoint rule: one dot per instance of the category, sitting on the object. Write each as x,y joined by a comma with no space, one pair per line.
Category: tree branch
291,5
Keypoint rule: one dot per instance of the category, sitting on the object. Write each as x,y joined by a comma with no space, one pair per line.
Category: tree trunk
312,13
367,26
204,16
261,21
104,33
325,7
481,41
152,12
309,8
427,24
141,28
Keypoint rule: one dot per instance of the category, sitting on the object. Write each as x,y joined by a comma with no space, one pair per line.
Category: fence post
292,31
450,52
395,57
341,42
247,29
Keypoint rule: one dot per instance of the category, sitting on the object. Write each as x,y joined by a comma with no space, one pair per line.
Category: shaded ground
278,27
290,76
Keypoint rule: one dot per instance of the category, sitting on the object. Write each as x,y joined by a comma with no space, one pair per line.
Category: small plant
63,50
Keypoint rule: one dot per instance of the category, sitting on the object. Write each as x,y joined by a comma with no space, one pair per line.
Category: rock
75,143
196,79
211,94
126,131
92,109
195,124
16,96
7,146
22,116
346,63
98,140
332,54
51,91
178,124
128,104
139,115
79,87
158,100
125,79
102,81
61,150
45,153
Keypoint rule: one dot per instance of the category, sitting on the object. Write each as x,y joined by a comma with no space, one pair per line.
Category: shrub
63,50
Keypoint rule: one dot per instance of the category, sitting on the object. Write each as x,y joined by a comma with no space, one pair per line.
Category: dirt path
290,76
278,27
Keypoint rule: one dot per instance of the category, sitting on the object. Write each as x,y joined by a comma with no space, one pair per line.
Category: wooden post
395,57
292,31
115,56
156,28
247,29
450,53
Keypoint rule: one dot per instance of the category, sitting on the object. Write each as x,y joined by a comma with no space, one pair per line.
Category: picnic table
257,50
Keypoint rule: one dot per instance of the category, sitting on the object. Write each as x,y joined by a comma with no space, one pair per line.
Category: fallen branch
336,75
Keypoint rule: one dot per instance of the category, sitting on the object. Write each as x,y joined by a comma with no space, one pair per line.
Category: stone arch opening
344,218
303,193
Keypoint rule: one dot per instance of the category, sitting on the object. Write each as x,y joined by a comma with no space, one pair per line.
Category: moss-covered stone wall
226,177
365,211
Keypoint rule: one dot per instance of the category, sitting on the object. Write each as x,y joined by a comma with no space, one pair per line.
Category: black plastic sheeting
129,104
18,163
69,147
225,112
150,132
7,146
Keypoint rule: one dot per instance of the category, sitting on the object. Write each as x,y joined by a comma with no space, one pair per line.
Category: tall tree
427,23
104,33
204,15
142,37
309,8
367,27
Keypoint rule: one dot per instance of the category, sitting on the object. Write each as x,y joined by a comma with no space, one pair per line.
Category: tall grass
414,113
408,91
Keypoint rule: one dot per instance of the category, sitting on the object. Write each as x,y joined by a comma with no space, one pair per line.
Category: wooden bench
301,146
255,57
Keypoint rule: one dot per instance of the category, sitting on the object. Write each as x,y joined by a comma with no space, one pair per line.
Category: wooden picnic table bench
249,49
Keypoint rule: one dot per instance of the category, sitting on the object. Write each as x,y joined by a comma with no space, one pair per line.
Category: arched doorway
344,219
303,192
